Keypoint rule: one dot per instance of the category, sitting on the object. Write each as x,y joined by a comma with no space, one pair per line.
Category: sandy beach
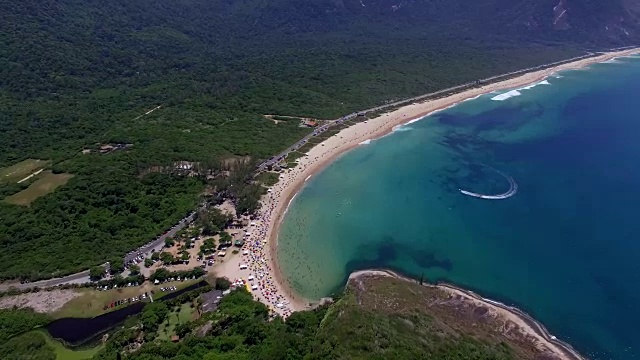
260,250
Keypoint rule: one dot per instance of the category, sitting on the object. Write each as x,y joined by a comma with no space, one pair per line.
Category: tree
208,245
116,266
155,256
118,280
222,283
166,258
183,329
168,242
197,272
134,269
153,314
15,321
148,262
185,256
161,274
96,273
225,238
213,221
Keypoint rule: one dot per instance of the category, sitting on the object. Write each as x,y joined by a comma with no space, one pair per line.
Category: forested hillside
78,74
376,318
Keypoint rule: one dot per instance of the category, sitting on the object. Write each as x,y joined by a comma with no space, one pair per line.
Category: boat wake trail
513,188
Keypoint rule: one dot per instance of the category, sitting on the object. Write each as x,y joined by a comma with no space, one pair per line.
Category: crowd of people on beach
257,258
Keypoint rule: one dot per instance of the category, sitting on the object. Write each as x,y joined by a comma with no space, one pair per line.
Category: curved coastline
528,323
277,201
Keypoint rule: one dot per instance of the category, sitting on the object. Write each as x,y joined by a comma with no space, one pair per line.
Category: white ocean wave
543,82
417,119
366,142
507,95
612,61
436,111
472,98
289,204
401,128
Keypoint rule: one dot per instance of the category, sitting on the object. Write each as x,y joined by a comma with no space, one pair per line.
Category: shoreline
291,181
525,321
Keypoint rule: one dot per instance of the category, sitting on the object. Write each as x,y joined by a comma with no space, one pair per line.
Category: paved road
158,243
77,278
83,276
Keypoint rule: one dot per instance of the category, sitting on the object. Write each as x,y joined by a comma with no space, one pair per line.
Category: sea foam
416,119
514,93
366,142
543,82
507,95
401,128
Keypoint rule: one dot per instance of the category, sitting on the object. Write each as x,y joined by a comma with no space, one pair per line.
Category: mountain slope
584,21
382,316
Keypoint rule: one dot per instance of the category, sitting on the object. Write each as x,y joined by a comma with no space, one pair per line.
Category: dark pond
77,331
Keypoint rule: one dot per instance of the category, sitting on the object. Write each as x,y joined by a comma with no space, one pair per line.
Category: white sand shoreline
277,201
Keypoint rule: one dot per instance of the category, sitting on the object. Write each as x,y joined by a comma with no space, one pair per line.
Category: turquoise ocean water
565,248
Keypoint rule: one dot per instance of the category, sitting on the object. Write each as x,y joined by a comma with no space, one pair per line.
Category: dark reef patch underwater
565,248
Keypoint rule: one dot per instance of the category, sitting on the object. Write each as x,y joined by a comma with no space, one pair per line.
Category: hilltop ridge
449,312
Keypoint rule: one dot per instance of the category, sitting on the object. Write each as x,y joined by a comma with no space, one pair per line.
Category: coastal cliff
384,314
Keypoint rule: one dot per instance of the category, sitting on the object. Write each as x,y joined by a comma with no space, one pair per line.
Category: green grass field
268,178
294,155
180,316
91,303
47,182
64,353
306,147
19,171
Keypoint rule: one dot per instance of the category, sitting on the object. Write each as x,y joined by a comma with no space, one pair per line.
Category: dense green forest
17,321
31,346
75,75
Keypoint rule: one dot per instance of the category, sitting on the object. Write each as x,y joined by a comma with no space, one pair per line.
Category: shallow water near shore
564,248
